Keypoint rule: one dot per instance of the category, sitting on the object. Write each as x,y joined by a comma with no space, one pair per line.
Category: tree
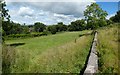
4,11
4,16
93,15
25,29
7,26
116,18
61,27
8,54
52,29
13,28
77,25
17,28
39,27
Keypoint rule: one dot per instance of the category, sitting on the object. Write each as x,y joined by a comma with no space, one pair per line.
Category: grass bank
108,49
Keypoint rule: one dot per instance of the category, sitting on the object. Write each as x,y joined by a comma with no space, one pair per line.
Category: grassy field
64,52
108,49
51,54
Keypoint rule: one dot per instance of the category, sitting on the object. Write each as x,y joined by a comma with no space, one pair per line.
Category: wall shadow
16,44
86,62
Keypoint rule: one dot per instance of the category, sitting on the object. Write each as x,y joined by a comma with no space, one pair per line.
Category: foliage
102,23
109,22
77,25
14,28
4,14
26,35
94,15
52,29
61,27
57,28
116,18
39,27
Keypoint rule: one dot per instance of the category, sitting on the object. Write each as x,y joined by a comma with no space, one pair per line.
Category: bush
45,32
27,35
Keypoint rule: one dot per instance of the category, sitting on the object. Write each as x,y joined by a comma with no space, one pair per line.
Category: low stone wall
92,65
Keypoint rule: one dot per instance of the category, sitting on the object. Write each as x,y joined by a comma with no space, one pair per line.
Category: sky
110,7
51,13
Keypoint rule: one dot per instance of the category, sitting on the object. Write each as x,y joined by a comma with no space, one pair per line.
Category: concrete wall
92,65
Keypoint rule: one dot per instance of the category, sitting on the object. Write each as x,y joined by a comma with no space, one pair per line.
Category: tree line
95,17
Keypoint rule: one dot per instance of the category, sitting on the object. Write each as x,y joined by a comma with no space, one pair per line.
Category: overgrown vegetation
108,49
8,58
16,36
45,55
116,18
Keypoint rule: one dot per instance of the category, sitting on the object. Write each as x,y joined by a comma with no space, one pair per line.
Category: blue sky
110,7
53,12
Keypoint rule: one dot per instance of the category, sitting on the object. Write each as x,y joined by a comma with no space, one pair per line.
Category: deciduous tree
39,27
93,15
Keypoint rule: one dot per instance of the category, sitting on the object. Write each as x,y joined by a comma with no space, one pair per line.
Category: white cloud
62,0
50,0
25,11
28,17
47,12
61,15
12,12
67,8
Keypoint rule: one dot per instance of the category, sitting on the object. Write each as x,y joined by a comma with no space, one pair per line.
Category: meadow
108,49
64,52
60,53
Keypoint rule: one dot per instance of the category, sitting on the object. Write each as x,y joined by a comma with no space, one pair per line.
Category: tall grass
0,58
108,49
8,58
68,58
52,54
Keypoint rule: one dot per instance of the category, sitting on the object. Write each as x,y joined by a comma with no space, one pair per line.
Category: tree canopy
52,29
4,11
116,18
93,15
61,27
77,25
39,27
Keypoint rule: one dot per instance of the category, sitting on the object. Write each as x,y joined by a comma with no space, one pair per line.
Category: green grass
52,54
108,49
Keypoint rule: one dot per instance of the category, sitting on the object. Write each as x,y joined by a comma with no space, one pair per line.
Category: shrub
27,35
45,32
